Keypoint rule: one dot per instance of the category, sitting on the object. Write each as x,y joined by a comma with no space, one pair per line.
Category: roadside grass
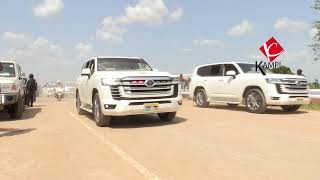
311,106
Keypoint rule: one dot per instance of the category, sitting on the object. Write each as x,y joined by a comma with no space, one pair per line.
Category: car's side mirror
231,73
85,72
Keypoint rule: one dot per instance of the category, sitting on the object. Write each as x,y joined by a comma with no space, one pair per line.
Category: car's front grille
293,86
132,88
115,92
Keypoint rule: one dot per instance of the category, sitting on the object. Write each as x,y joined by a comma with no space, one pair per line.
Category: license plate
300,99
151,107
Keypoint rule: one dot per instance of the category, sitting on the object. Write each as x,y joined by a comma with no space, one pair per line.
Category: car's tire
233,105
16,110
78,105
255,101
100,119
170,116
201,98
290,108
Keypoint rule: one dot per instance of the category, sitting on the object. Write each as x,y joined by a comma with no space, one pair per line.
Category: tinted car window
204,71
216,70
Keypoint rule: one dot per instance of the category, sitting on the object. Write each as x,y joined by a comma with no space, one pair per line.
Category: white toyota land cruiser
240,83
12,89
121,86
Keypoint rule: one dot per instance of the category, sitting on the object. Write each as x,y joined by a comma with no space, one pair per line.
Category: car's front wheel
290,108
99,117
16,110
255,101
201,98
167,116
78,105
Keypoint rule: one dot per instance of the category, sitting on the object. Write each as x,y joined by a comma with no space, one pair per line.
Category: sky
53,38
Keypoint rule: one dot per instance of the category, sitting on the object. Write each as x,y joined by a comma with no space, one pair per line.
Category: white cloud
145,12
187,50
84,50
209,42
285,24
244,28
31,49
177,14
48,8
11,36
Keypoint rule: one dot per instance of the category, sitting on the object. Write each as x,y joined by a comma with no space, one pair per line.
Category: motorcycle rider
58,87
31,89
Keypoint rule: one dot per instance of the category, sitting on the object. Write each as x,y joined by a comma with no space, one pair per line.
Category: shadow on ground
29,113
140,121
270,110
14,132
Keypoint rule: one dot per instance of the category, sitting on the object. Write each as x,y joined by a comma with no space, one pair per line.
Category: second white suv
240,83
121,86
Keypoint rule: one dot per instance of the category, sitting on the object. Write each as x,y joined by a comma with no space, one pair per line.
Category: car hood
277,76
284,76
123,74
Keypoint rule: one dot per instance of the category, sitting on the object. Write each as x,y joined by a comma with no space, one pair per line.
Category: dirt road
52,142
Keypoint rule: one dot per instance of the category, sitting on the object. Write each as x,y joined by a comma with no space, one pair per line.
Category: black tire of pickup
100,119
16,110
170,116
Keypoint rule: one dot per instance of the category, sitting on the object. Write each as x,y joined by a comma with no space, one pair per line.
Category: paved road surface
52,142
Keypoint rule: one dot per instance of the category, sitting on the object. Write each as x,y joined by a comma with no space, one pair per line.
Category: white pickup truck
121,86
241,83
12,89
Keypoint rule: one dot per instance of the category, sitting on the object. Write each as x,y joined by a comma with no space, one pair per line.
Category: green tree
316,39
282,70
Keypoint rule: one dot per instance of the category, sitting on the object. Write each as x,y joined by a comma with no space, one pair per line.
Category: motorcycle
59,93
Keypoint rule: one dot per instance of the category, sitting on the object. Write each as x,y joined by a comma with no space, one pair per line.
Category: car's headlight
110,81
9,87
274,81
176,80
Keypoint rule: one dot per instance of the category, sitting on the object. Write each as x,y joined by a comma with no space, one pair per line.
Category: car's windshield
7,69
122,64
251,68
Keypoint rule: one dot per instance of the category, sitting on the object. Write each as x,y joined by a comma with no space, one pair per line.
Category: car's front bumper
136,107
8,99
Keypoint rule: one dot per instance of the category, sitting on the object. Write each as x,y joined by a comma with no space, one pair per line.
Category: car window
230,67
216,70
204,71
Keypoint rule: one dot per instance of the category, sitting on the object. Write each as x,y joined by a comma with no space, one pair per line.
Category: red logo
271,49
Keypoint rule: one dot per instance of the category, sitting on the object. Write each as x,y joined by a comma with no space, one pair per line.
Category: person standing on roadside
31,89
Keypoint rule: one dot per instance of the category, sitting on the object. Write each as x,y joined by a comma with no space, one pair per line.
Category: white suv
240,83
121,86
12,89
